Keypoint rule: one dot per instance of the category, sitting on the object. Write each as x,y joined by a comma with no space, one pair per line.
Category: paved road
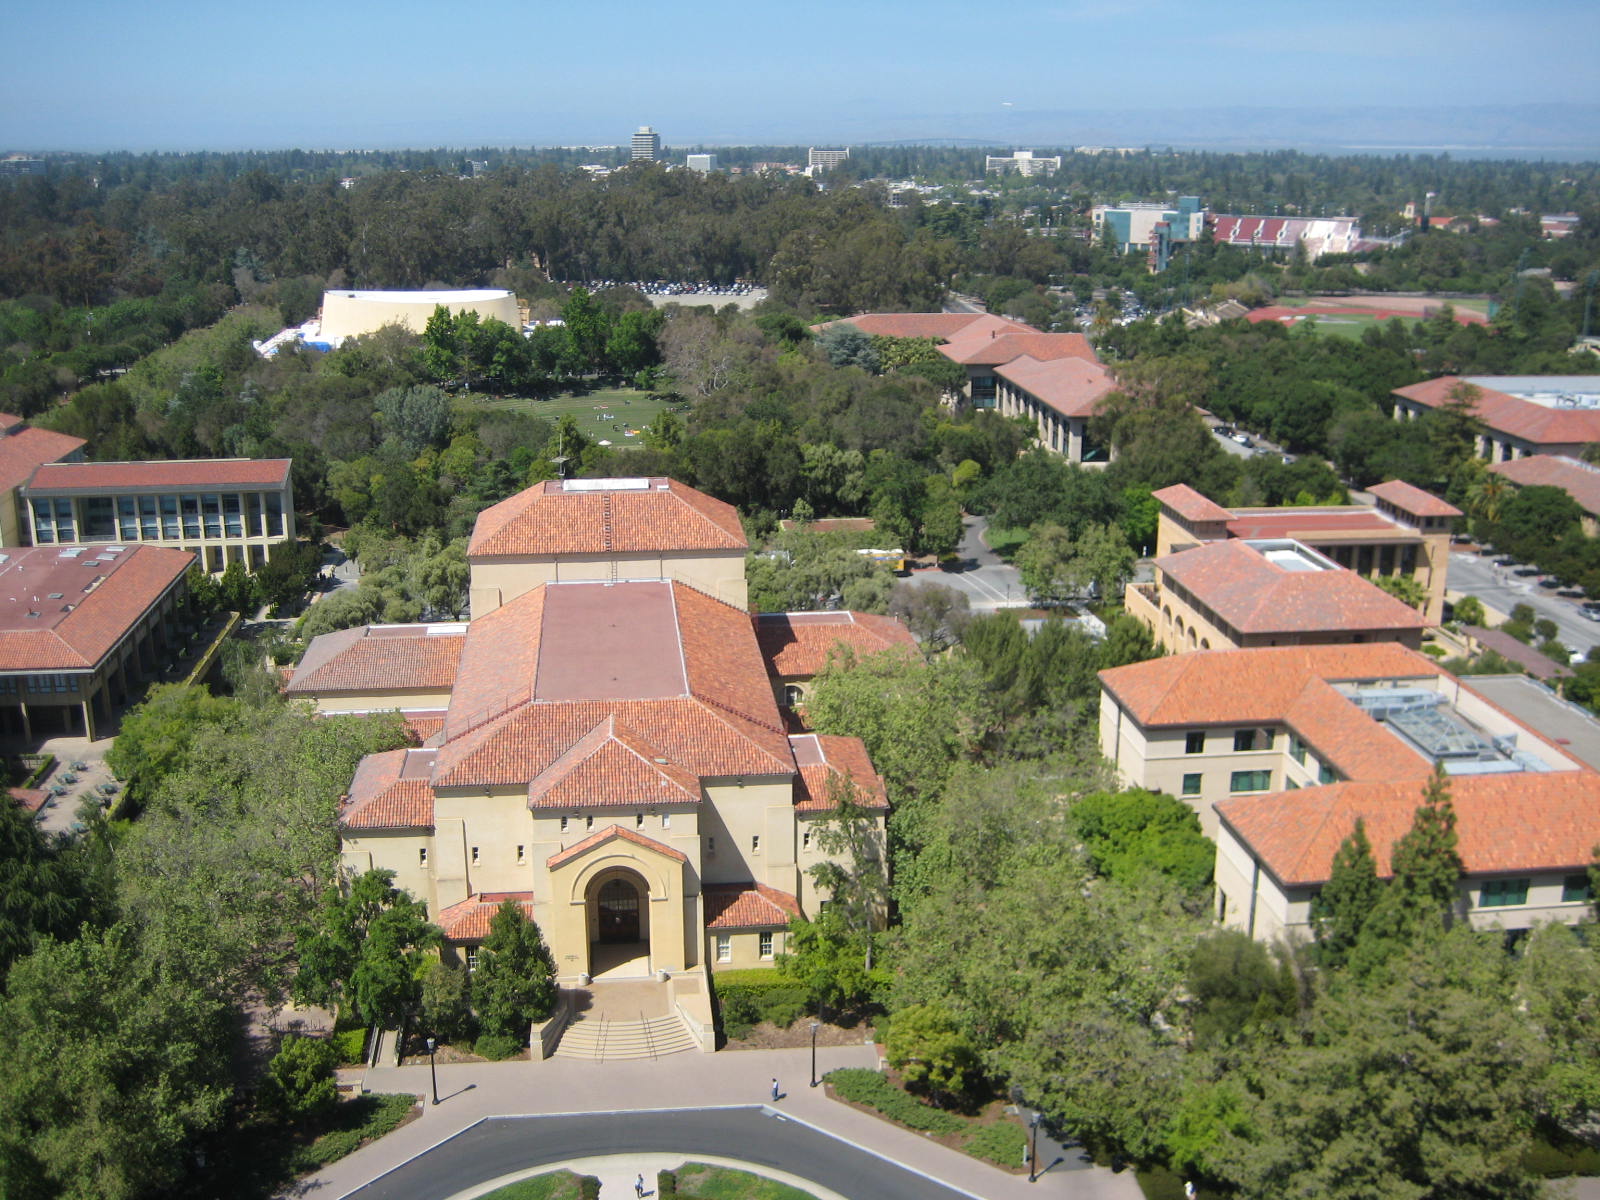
1500,589
988,581
761,1136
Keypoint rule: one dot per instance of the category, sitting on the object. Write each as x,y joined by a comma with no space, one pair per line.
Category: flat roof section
1567,725
38,590
610,642
1309,523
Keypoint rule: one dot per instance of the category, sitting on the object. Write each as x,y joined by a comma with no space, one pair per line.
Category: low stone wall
689,993
545,1035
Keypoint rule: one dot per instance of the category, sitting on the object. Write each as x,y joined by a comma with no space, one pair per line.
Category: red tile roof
83,601
1578,479
747,906
380,658
1524,655
1190,504
602,836
1511,415
29,799
468,921
1505,823
390,791
1414,500
833,525
1072,387
99,477
1238,583
828,763
930,325
23,451
1240,687
590,517
1310,524
797,645
977,348
611,766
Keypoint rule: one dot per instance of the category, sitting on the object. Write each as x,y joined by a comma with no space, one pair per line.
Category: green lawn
557,1185
604,413
701,1181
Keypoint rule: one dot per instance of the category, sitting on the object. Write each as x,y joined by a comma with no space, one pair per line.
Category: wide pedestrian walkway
470,1092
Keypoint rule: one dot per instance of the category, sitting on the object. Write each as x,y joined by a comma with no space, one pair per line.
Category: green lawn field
602,414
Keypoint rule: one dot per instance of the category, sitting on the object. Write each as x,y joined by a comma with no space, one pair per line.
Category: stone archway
617,916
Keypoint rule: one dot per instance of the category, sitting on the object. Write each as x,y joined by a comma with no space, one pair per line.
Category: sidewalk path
469,1092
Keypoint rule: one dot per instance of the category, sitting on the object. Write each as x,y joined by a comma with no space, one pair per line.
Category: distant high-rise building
821,160
704,163
21,164
1023,162
646,145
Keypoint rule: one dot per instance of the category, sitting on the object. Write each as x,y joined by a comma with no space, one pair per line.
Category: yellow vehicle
894,559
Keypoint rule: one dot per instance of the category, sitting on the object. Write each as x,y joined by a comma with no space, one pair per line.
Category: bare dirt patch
767,1036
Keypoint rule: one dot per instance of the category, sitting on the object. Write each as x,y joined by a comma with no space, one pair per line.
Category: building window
588,821
522,855
805,840
755,843
793,695
1327,774
564,824
666,820
474,856
1245,740
422,856
1194,742
1297,749
766,943
472,959
711,847
1503,893
1250,781
724,948
1191,784
1575,889
638,820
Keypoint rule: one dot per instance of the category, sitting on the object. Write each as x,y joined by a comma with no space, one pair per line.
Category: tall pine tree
1342,907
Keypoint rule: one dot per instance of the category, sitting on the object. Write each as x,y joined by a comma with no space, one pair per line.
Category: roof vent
58,595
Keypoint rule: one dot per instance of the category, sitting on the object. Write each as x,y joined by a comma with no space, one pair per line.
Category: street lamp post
1033,1145
433,1071
814,1025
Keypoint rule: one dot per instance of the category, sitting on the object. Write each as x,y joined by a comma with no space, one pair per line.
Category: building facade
645,146
1023,162
221,510
607,746
823,160
23,449
1520,415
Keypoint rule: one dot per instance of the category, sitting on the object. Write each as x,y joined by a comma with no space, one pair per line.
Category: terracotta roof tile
1238,687
1190,504
1237,582
22,452
1414,500
600,837
1504,413
828,762
29,799
1578,479
99,477
555,517
929,325
747,906
977,348
611,766
380,658
798,644
1505,823
468,920
390,791
1072,387
83,604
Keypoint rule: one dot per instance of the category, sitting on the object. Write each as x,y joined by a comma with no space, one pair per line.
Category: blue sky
164,74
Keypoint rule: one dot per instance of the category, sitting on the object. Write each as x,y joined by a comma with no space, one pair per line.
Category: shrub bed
1003,1143
862,1086
357,1122
746,998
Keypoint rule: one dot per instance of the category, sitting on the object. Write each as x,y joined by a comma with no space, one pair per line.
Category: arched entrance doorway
617,912
619,924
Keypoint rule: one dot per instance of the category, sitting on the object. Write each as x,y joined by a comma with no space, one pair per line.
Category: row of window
157,518
725,946
1245,741
1507,893
638,821
37,685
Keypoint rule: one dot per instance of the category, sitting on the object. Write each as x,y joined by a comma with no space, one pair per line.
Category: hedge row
748,997
862,1086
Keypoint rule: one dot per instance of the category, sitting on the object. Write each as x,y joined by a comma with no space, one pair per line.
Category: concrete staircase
606,1039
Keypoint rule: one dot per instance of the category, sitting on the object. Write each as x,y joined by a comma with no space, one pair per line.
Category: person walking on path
774,1091
638,1186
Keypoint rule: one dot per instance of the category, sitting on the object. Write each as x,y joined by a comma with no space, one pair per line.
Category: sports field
1351,316
605,414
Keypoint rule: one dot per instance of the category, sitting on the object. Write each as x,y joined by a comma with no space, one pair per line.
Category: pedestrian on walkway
774,1091
638,1186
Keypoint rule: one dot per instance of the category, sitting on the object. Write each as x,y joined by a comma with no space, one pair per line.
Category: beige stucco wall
380,701
345,315
499,581
744,949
